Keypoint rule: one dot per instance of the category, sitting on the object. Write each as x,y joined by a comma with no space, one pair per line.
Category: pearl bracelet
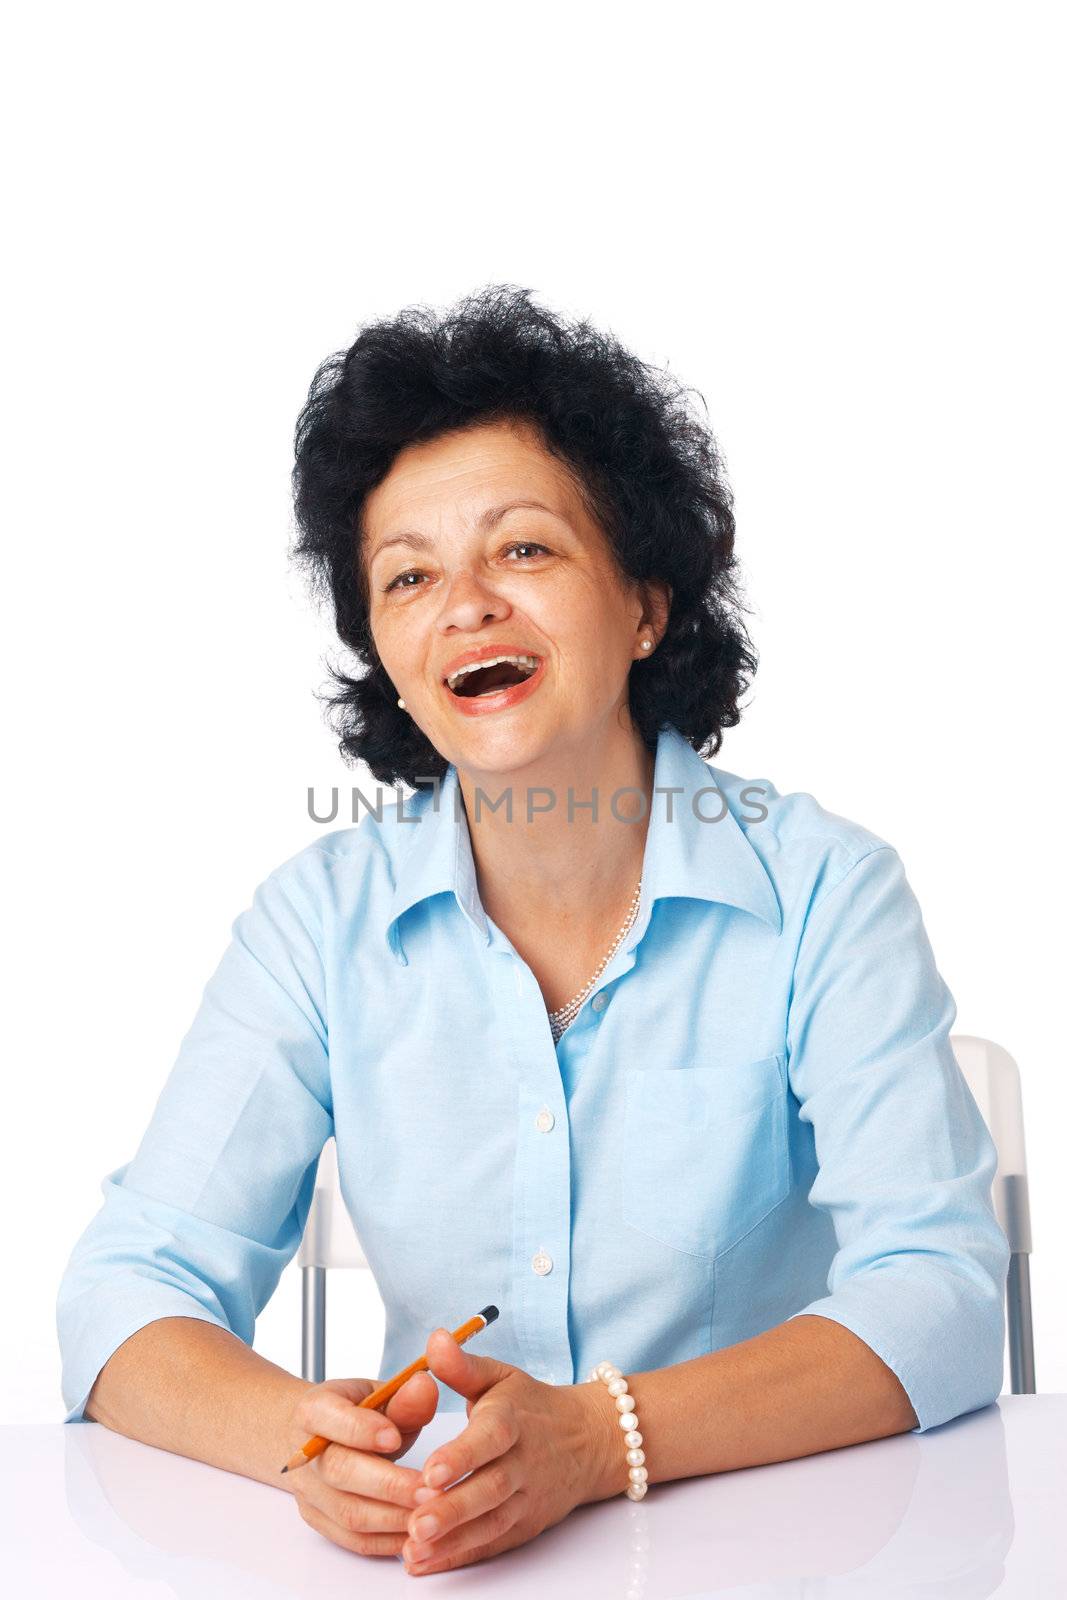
628,1419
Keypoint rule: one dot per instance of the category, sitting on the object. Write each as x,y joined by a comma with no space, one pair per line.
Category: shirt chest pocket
706,1152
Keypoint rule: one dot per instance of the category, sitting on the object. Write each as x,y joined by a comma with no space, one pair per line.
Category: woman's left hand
533,1451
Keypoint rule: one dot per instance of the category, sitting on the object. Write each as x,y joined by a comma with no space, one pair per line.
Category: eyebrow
487,520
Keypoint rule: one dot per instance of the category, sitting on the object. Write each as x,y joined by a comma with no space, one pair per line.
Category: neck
572,873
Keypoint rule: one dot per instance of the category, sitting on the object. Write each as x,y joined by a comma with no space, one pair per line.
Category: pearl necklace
559,1020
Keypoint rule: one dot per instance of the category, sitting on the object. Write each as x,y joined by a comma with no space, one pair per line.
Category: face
454,565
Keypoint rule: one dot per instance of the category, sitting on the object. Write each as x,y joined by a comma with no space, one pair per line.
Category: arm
192,1388
807,1385
201,1223
905,1161
911,1332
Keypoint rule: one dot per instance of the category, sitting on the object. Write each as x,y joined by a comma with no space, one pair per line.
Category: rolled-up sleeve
204,1218
905,1161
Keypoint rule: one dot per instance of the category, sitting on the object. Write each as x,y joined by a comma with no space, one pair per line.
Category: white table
977,1507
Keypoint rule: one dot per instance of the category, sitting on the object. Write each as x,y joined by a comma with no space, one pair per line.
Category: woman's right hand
353,1492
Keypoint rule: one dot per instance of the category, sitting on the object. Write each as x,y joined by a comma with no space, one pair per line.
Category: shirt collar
684,855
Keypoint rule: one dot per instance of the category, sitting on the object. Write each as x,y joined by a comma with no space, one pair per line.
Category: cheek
595,655
399,645
585,615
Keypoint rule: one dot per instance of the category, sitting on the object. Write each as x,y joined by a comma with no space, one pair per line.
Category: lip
482,652
500,699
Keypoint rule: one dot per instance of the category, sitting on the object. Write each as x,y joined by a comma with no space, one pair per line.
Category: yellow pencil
378,1397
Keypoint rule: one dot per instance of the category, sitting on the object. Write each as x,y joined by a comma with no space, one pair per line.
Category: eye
524,544
398,582
412,572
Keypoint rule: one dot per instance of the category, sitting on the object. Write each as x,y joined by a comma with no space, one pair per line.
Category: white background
840,223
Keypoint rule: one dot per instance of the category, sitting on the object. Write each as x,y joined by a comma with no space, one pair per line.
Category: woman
654,1059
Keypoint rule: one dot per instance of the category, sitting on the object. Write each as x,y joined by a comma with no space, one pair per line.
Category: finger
486,1489
490,1431
470,1375
331,1415
349,1536
358,1472
356,1510
414,1403
499,1529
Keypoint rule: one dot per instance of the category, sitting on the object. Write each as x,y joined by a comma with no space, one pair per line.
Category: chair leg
1020,1325
313,1353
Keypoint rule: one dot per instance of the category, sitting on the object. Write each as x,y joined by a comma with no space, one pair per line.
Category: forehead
463,470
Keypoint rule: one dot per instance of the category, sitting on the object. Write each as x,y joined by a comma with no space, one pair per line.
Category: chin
500,750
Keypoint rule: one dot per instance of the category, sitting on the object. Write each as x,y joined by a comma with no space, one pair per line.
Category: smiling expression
478,542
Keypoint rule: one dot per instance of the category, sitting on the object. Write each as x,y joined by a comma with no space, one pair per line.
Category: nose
469,604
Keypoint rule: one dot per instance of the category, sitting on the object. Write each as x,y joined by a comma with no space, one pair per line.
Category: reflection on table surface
969,1509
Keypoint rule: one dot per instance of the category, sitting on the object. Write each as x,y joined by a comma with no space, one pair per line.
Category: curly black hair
649,471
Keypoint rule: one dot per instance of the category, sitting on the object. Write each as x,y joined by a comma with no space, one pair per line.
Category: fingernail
388,1438
437,1474
422,1495
425,1528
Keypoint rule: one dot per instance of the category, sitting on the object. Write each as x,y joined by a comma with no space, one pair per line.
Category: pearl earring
646,644
401,704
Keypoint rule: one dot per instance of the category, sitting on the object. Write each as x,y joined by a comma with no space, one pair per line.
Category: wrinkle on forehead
466,472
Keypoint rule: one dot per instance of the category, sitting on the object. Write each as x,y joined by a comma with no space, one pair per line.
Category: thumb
414,1403
467,1374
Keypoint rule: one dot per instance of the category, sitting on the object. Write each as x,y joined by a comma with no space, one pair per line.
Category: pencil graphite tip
490,1313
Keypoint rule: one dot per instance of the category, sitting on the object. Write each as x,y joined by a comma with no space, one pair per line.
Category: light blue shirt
756,1114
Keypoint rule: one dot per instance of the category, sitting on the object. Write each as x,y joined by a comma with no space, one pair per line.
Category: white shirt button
542,1263
600,1001
544,1121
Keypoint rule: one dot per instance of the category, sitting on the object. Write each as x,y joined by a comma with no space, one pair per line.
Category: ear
658,595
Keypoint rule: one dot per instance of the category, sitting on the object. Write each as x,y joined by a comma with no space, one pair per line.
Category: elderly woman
652,1058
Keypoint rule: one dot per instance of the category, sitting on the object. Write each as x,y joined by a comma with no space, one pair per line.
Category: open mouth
486,678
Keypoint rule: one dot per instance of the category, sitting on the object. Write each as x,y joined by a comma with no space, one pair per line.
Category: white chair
329,1241
993,1078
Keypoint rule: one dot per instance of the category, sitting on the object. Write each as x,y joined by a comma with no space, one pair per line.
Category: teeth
490,661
